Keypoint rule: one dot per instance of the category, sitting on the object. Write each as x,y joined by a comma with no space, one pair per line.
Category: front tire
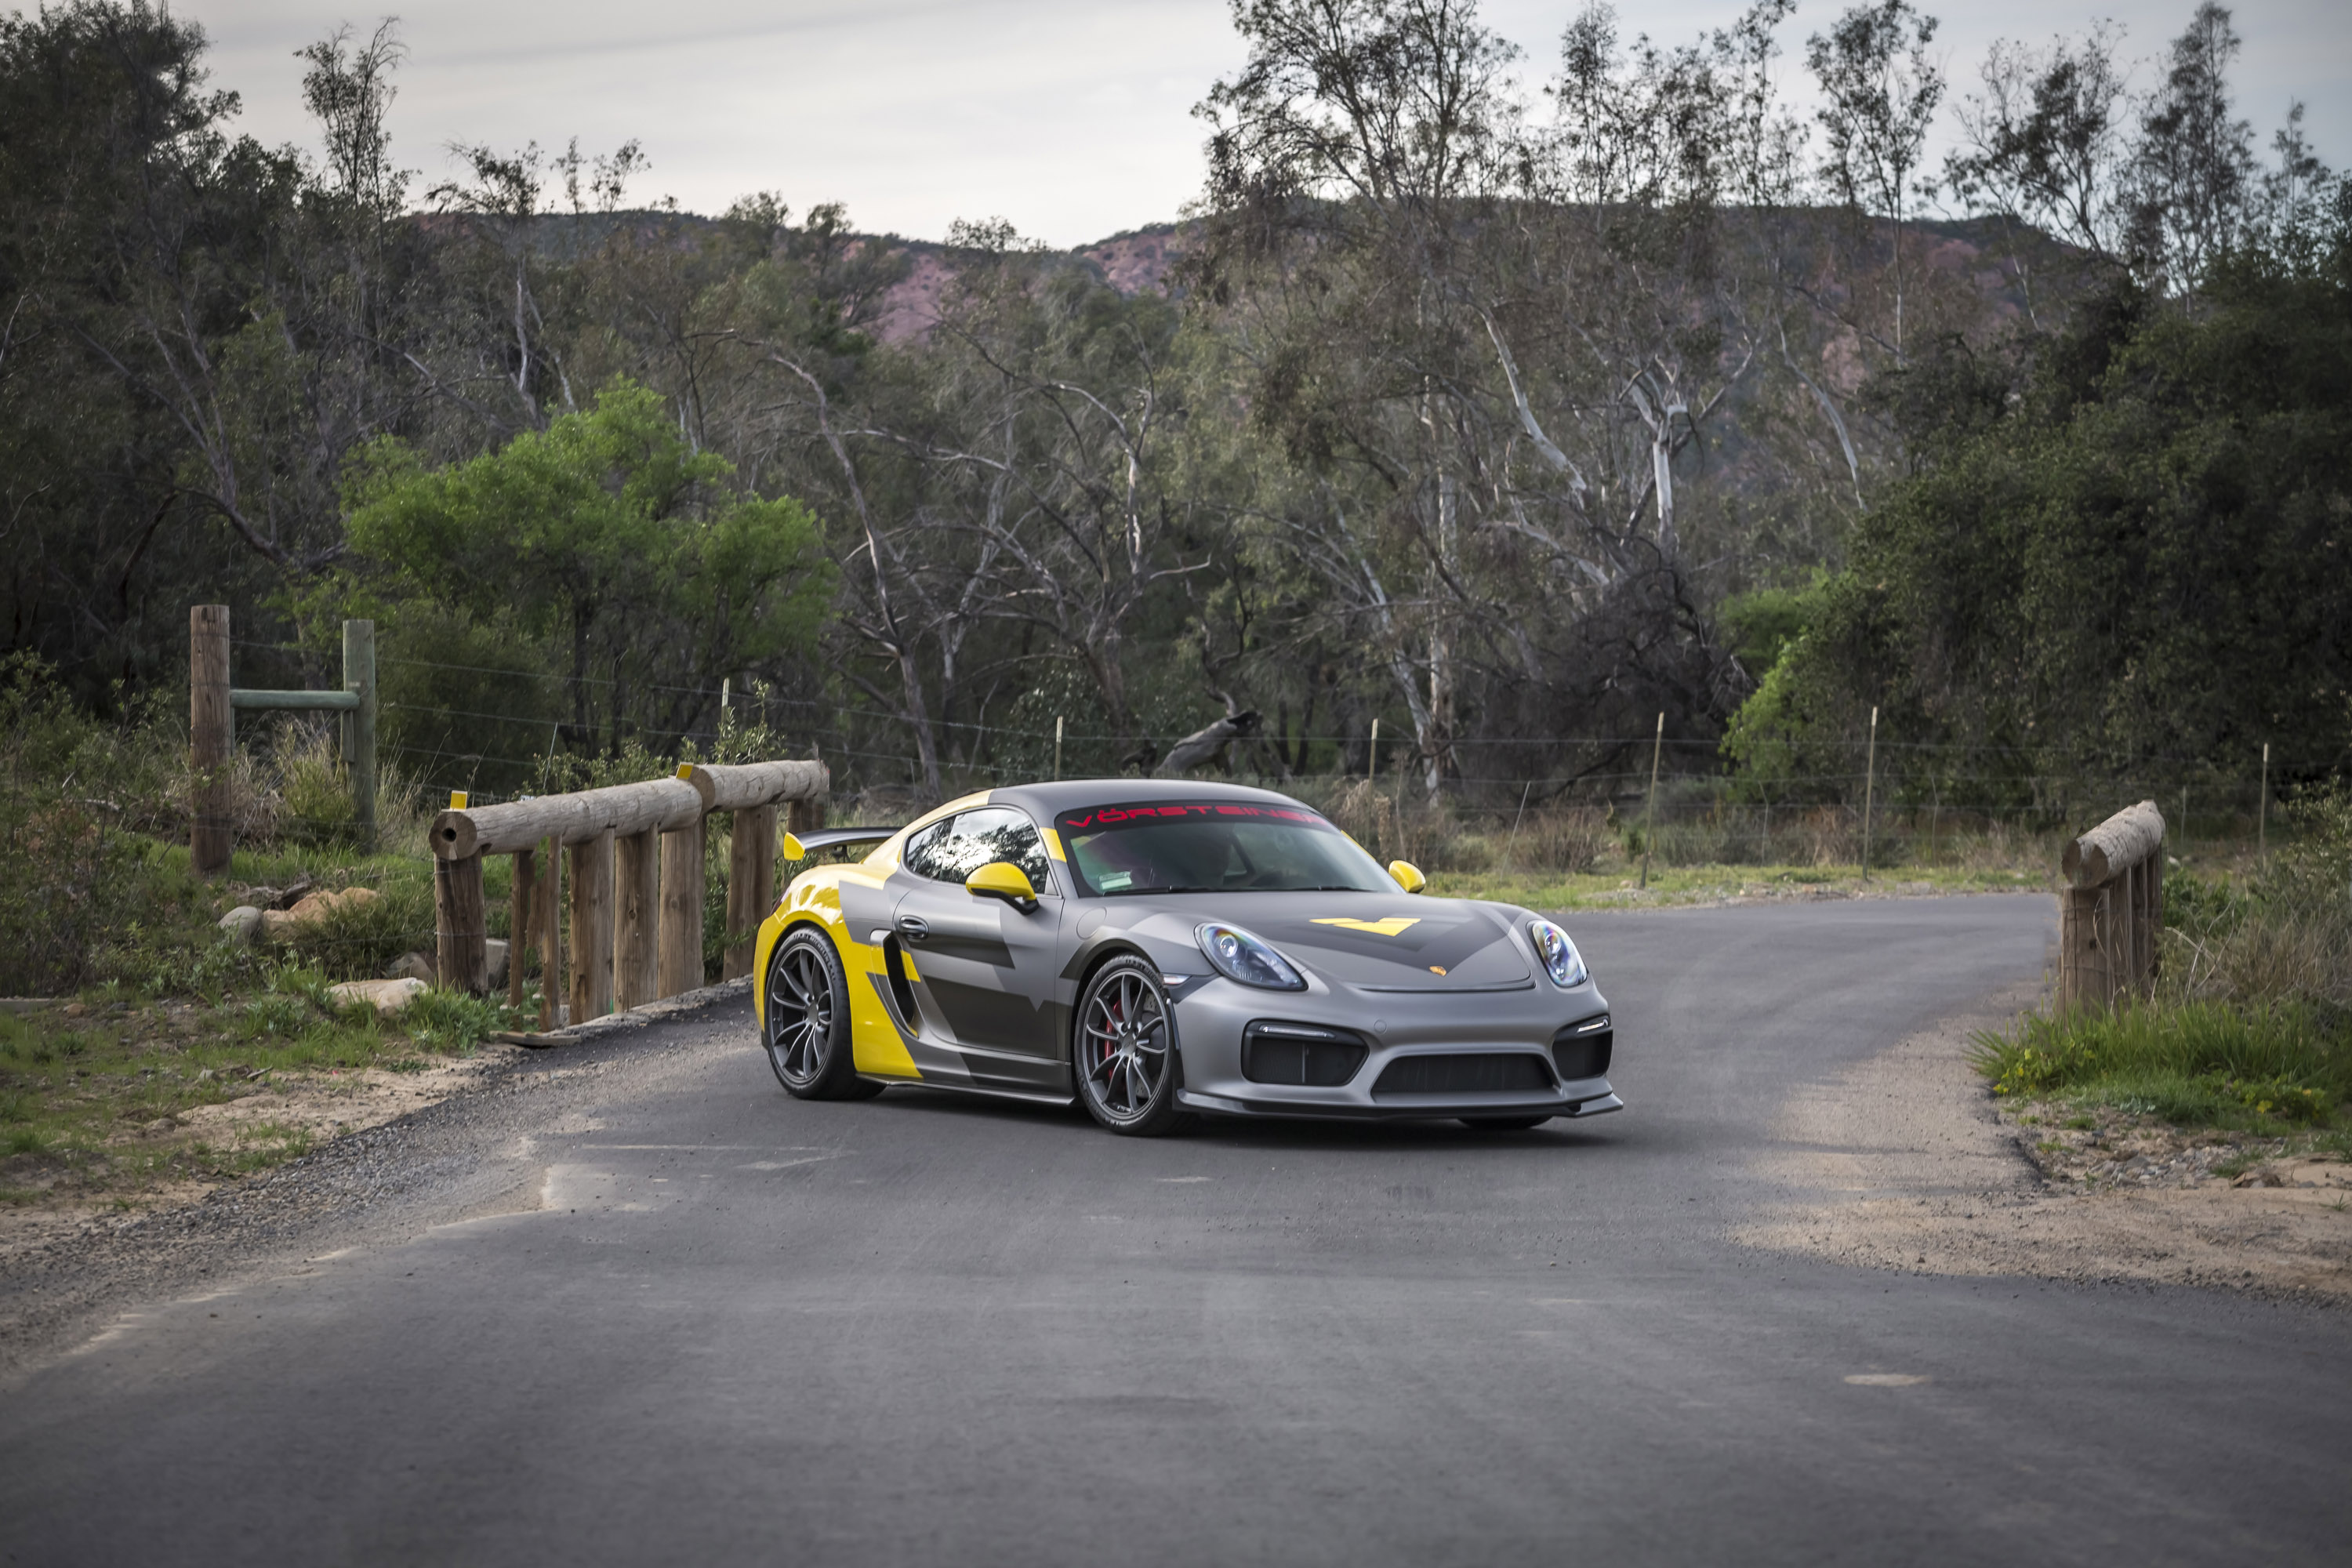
807,1027
1123,1051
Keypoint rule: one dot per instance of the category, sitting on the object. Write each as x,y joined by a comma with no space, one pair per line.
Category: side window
952,850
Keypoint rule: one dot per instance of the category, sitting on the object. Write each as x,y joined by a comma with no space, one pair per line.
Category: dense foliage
2127,565
1507,421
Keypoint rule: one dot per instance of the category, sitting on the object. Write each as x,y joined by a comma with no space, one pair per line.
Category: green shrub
359,940
74,870
314,788
451,1021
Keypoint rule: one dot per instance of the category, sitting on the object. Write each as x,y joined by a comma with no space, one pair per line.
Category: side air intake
1582,1049
1314,1054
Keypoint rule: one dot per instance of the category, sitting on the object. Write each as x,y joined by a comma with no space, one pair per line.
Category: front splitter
1222,1105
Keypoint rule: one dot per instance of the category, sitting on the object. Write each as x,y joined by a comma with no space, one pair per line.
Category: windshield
1216,847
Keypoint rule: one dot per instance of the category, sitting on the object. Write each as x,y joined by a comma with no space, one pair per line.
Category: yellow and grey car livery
975,942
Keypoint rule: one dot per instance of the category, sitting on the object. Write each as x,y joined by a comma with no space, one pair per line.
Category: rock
242,923
318,906
412,966
285,924
495,952
385,996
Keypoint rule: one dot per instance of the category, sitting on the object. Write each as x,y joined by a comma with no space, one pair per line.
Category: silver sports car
1157,949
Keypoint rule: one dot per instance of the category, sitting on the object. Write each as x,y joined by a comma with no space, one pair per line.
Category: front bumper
1213,1016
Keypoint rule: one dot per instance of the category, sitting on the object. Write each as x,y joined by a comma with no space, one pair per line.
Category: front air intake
1310,1054
1582,1049
1472,1072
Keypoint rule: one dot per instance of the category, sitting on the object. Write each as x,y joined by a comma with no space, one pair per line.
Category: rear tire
807,1030
1123,1051
1504,1124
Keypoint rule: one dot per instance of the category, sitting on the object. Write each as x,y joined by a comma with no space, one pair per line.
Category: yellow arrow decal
1392,926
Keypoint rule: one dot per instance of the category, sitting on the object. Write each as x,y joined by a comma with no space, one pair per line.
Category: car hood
1389,942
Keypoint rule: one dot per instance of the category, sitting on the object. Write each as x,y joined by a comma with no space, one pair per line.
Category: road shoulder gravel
468,1155
1905,1161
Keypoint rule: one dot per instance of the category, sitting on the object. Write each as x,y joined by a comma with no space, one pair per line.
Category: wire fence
872,754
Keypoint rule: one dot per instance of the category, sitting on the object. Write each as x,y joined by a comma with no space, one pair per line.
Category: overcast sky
1071,119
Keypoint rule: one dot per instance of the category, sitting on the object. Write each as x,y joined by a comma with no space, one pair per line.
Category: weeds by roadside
2197,1063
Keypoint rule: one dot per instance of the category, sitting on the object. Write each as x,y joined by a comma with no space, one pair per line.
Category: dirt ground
315,1107
1907,1162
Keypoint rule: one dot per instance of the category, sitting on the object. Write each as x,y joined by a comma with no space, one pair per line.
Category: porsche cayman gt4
1155,949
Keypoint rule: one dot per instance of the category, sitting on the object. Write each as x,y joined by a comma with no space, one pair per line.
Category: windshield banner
1096,819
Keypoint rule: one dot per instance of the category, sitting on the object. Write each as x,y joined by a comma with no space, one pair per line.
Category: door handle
914,928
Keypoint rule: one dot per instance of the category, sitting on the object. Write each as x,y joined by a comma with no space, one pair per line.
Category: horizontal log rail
2112,916
633,856
245,696
659,804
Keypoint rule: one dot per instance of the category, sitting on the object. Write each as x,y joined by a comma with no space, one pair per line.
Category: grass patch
97,1103
2193,1064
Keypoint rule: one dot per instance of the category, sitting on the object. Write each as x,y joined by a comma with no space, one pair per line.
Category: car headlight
1560,959
1241,957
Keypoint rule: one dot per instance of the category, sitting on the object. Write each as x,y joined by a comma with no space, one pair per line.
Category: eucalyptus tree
2044,145
2193,175
1489,388
1051,438
1881,87
1353,162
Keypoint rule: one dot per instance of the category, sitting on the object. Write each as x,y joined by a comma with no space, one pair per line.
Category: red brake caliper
1112,1009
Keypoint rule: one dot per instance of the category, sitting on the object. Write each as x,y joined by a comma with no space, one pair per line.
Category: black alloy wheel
807,1032
1504,1124
1123,1051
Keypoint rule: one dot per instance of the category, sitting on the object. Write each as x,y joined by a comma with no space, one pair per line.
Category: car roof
1050,800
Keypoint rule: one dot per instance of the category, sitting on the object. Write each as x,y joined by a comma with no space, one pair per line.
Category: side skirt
1027,1096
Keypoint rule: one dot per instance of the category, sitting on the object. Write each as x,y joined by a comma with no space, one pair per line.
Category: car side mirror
1408,875
1002,879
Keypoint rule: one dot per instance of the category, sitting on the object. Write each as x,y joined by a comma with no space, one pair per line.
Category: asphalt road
924,1329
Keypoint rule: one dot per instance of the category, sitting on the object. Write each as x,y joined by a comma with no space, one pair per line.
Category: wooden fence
213,704
2112,913
633,855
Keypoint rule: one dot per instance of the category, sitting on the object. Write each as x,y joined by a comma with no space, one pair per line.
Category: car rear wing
801,846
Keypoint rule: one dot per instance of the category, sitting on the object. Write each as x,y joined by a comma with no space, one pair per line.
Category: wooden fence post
1869,791
359,728
681,908
2078,946
2112,917
591,927
550,937
458,932
1650,812
637,877
211,740
751,884
520,903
